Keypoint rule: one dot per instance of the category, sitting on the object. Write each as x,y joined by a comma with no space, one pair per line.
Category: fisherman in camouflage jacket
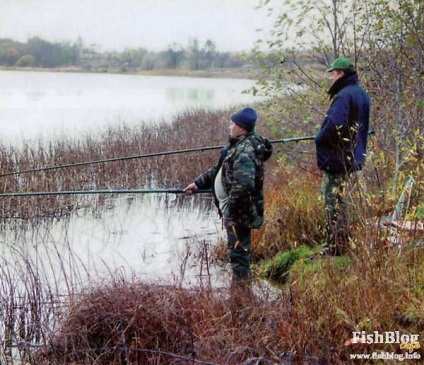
237,183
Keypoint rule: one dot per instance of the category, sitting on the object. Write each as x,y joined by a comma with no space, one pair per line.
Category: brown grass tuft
135,323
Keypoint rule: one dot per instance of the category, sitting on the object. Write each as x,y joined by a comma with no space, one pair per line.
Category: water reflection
155,237
45,105
191,97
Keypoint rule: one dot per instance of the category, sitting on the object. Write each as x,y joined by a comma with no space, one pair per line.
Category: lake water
156,237
36,105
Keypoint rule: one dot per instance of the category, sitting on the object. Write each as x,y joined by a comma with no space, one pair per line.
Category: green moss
300,262
302,268
278,268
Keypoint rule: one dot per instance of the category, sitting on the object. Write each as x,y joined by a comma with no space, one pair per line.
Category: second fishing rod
146,155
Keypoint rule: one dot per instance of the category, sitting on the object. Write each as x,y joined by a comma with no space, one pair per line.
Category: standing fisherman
341,147
237,182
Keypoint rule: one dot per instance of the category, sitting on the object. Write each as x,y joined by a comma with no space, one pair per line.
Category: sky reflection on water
154,238
48,105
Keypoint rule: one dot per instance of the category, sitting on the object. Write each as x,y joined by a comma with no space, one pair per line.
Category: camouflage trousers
336,209
239,240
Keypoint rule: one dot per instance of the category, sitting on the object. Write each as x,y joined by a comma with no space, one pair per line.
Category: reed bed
192,129
119,319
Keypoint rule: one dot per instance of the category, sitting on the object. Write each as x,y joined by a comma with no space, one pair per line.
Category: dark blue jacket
342,140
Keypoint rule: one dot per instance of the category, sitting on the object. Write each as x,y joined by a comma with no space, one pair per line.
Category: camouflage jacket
242,161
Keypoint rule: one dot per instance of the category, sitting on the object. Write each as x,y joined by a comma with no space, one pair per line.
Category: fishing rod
131,191
154,154
109,191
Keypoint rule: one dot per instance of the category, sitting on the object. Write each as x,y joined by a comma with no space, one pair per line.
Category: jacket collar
349,79
241,137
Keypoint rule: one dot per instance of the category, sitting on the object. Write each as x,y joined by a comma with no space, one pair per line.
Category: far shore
241,73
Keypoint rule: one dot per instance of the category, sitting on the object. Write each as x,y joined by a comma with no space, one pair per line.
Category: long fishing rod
131,191
111,191
154,154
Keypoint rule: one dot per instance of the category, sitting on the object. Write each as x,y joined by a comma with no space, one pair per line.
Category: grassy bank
120,319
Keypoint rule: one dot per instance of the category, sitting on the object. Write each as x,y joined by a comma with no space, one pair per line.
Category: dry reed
125,321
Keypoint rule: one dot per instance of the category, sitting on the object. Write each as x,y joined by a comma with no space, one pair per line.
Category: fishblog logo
386,356
407,342
396,337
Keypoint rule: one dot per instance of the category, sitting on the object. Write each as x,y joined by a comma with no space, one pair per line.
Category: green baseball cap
341,63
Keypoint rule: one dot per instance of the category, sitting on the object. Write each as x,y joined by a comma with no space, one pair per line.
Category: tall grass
119,319
191,129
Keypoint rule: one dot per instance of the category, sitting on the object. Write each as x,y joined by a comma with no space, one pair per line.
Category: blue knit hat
245,118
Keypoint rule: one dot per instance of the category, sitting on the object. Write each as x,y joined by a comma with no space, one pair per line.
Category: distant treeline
37,52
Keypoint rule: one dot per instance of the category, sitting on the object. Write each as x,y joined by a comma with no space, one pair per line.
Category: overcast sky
120,24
